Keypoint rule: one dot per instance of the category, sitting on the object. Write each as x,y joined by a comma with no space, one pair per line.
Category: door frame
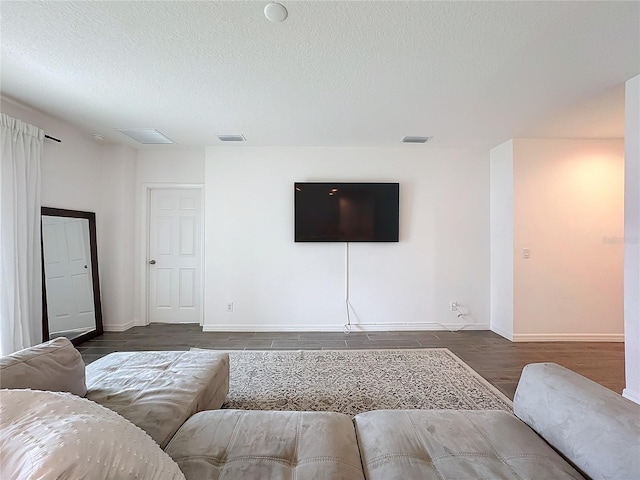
144,245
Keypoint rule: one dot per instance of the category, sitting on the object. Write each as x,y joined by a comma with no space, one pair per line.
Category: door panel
187,240
187,282
175,246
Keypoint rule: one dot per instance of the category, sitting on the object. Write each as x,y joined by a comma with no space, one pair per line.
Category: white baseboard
137,322
268,328
399,327
631,395
568,337
118,327
387,327
502,333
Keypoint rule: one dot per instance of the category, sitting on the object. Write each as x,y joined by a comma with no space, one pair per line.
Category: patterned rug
355,381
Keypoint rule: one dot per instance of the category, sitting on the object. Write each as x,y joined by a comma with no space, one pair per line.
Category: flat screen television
346,212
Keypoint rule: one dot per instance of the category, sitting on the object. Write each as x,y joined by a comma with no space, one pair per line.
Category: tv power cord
461,315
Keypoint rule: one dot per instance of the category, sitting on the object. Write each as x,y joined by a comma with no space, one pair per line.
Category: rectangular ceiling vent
409,139
147,136
231,138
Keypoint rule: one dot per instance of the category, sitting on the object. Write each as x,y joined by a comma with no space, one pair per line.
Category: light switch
526,253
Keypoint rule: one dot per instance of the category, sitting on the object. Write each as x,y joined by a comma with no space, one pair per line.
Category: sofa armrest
54,366
594,428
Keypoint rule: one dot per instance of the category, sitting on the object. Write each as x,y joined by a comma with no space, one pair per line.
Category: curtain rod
53,138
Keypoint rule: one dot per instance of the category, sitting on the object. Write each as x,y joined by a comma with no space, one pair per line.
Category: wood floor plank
495,358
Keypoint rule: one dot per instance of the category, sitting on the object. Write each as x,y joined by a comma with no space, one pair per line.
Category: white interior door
67,270
175,255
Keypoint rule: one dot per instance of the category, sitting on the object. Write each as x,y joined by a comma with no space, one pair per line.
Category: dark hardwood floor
495,358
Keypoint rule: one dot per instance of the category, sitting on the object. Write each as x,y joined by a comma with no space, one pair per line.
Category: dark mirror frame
91,217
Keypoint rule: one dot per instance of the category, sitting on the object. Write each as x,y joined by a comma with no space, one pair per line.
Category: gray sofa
564,426
157,391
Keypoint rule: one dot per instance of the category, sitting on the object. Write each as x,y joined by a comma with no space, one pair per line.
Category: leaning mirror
70,288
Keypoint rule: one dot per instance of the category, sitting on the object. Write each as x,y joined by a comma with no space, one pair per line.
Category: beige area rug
355,381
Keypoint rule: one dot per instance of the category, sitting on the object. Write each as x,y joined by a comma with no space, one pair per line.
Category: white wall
632,240
70,170
568,210
276,284
80,174
156,168
170,166
443,255
563,200
501,233
117,174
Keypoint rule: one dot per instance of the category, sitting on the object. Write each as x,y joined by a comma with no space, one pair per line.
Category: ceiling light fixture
275,12
410,139
232,138
147,136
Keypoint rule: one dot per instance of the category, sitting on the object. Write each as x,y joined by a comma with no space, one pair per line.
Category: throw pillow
55,366
52,435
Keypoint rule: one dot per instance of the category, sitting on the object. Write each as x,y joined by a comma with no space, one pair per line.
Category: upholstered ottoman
159,391
258,445
450,444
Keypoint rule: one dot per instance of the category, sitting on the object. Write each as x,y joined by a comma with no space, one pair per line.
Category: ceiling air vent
147,136
409,139
231,138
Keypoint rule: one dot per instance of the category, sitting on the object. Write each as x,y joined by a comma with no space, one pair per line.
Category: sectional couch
157,415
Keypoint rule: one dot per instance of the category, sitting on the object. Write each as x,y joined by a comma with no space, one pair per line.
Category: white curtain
20,258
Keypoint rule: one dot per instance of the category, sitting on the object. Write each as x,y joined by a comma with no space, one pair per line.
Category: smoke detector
275,12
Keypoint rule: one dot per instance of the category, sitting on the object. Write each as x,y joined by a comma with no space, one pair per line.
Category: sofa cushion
60,435
595,428
257,445
55,366
454,444
158,391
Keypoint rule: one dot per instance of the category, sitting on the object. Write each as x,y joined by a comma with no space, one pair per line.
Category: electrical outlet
453,306
230,307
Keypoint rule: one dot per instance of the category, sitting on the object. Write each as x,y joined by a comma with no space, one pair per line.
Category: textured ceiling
471,74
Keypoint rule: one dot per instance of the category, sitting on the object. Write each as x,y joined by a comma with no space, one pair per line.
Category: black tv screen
346,212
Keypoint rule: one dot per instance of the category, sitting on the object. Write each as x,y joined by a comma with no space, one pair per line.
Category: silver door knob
152,262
